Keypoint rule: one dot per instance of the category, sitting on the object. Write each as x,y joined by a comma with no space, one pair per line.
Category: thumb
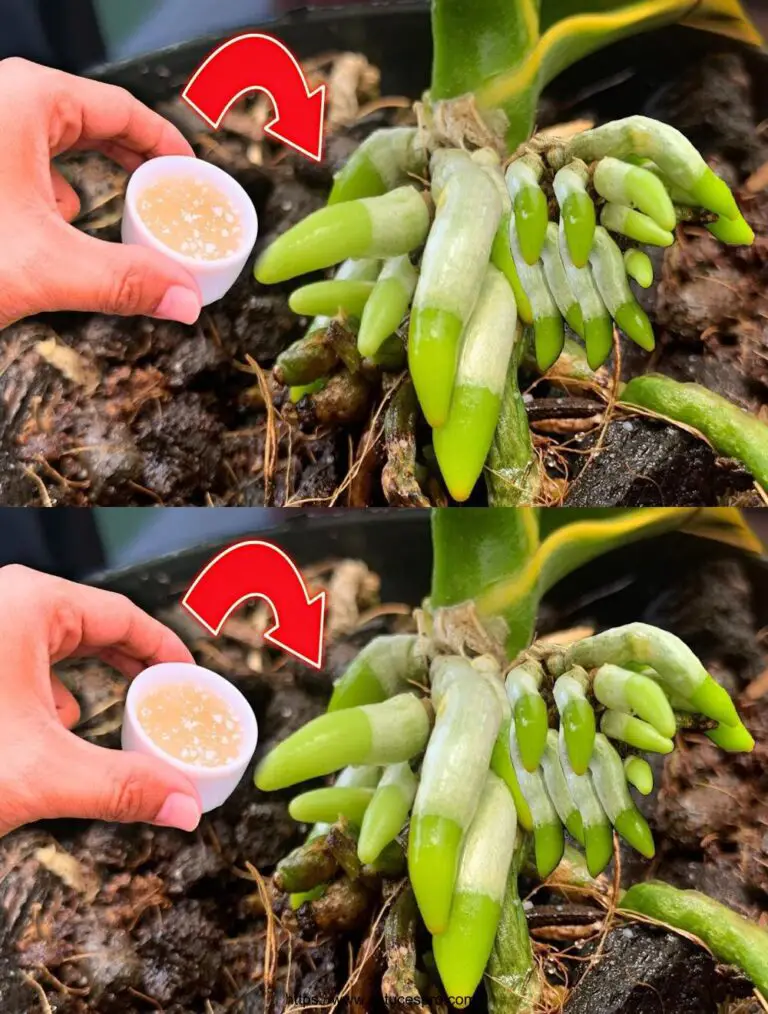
113,785
90,274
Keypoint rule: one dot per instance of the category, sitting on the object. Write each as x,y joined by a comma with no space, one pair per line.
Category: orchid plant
471,741
483,235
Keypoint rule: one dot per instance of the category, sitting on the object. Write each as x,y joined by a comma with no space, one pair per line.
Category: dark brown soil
110,411
108,918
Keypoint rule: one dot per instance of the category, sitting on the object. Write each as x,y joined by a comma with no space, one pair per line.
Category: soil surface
106,410
98,918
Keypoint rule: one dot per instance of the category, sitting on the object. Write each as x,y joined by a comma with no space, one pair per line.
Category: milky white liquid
192,724
192,217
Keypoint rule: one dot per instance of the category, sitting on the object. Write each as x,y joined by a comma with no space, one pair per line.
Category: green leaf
721,524
568,35
724,17
726,525
570,546
474,549
475,41
506,558
569,542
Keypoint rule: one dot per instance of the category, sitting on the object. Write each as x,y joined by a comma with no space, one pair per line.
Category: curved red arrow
261,570
261,63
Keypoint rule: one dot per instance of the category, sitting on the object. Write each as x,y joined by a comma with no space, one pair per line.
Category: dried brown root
401,487
398,984
459,629
344,908
456,123
344,400
342,844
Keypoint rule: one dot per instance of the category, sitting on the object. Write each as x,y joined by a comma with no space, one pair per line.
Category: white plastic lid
214,784
216,277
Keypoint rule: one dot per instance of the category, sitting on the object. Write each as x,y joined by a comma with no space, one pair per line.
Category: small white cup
215,278
214,785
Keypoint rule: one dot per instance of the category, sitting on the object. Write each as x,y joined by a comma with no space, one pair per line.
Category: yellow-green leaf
571,546
724,524
578,537
566,37
724,17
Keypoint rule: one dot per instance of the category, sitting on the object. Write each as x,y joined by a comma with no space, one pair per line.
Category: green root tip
578,724
531,219
640,774
297,900
501,765
331,298
598,847
384,857
732,231
324,238
357,179
635,225
575,319
383,822
549,844
324,745
433,348
358,686
713,701
713,193
633,828
633,321
297,392
531,724
463,443
732,738
649,702
649,194
598,339
462,952
575,826
331,804
635,732
501,258
434,844
578,214
640,267
549,339
367,852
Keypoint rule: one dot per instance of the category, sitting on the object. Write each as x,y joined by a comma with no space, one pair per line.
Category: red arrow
261,63
260,570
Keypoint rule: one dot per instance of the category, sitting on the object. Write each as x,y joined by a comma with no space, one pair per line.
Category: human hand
46,771
45,263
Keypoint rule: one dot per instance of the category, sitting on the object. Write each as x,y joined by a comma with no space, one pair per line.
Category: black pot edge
395,544
378,27
401,537
306,31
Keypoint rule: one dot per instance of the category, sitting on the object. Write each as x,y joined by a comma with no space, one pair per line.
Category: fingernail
179,811
179,304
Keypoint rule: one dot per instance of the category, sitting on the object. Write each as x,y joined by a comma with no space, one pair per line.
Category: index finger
93,621
91,111
73,619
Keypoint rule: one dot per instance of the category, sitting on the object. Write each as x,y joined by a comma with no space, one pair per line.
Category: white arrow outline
315,663
269,128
